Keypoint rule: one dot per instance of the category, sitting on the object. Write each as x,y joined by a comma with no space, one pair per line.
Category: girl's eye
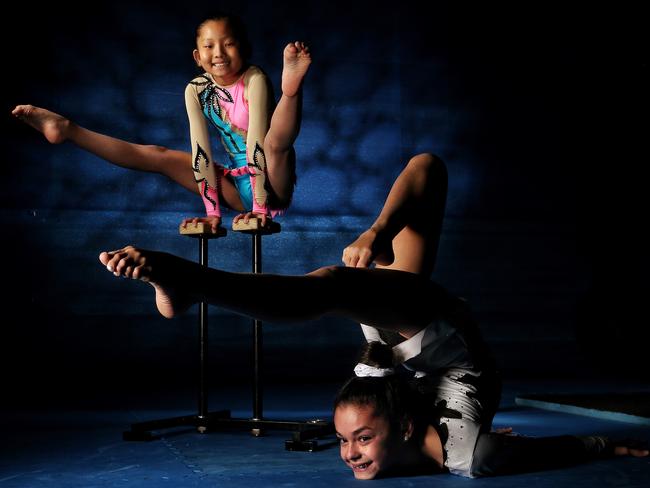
364,438
342,441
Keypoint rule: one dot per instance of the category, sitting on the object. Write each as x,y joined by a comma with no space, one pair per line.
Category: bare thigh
416,246
414,252
177,165
281,174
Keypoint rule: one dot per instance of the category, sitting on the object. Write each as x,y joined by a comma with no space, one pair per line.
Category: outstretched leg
406,233
285,123
176,165
392,300
499,454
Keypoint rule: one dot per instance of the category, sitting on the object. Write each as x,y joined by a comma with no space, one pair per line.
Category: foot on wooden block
200,229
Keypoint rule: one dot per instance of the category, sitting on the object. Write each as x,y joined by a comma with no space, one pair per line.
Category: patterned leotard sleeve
205,173
240,113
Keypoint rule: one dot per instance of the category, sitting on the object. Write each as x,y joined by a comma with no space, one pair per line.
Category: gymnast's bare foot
296,63
52,125
635,451
170,275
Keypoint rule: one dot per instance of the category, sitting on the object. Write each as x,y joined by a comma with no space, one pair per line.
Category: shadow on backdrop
537,113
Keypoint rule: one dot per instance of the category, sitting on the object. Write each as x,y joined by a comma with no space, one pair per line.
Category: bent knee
160,152
429,163
273,149
170,154
155,147
171,162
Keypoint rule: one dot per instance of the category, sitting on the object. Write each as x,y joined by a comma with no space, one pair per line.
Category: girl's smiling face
368,446
218,52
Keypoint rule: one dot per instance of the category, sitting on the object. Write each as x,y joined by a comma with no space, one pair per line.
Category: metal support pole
258,412
203,420
305,433
203,339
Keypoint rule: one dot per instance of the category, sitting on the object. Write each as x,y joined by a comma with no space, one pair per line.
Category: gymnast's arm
205,172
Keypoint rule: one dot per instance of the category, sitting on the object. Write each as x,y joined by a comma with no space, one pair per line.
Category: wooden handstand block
201,229
255,225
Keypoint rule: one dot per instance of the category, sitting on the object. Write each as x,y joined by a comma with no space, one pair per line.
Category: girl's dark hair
237,27
391,396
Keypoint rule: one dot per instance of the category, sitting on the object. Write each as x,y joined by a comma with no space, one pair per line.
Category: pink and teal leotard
241,114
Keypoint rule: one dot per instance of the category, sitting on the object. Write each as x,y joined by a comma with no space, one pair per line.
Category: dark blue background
539,110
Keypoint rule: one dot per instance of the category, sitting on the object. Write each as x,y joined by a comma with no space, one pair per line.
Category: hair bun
377,354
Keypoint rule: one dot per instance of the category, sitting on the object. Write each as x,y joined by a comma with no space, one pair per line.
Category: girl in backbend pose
236,99
424,394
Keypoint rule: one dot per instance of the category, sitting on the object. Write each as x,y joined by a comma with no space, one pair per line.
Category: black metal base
304,435
147,431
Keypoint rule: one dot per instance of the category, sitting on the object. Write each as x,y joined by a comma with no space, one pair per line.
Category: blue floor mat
68,448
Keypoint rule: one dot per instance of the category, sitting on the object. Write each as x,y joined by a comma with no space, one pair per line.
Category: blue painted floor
65,446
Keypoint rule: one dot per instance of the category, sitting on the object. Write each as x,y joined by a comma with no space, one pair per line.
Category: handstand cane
305,433
144,431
